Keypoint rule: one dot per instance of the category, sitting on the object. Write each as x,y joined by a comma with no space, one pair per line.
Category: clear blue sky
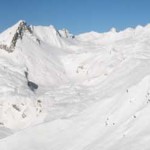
76,15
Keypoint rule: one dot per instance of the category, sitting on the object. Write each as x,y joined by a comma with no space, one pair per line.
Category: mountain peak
8,38
20,22
113,30
65,33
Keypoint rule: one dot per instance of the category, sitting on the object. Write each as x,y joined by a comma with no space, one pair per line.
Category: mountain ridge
91,91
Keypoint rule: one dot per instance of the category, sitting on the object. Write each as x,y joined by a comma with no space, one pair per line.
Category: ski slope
65,92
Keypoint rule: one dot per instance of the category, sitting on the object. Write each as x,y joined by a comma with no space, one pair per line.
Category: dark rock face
26,74
33,86
5,47
23,27
19,33
16,107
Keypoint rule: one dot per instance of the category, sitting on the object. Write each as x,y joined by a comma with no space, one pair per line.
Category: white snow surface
93,90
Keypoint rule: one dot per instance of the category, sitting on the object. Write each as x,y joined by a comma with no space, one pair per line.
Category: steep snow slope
90,92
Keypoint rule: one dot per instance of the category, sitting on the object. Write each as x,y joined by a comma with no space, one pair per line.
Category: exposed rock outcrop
66,34
22,28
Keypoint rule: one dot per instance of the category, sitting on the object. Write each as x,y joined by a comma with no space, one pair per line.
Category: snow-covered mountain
66,92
